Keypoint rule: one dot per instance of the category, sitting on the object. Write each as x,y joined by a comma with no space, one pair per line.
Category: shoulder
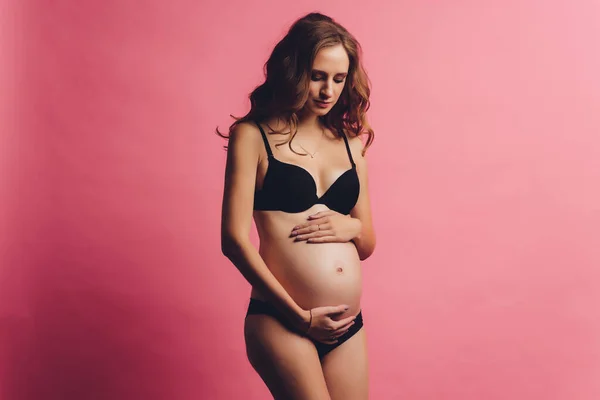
246,132
245,142
246,136
356,146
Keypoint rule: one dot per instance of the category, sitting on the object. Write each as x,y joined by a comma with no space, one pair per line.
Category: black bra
292,189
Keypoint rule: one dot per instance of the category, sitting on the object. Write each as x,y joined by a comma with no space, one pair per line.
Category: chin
321,111
318,111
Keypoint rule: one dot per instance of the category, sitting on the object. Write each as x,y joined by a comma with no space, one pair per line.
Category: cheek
339,91
314,89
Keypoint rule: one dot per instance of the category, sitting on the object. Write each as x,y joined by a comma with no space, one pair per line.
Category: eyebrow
318,71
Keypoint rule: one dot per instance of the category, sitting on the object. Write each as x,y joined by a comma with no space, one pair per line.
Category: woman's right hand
324,328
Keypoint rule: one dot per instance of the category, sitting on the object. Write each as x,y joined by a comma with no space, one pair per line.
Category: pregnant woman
296,164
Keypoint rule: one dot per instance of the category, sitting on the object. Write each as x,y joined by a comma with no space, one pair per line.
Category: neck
310,123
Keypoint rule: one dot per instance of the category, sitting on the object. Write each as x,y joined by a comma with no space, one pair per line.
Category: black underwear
260,307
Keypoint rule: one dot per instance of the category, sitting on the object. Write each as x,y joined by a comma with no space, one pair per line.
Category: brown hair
288,72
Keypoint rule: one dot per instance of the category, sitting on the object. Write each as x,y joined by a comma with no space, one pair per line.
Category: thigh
287,362
346,369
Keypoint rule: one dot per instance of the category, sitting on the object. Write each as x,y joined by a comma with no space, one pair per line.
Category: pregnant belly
317,274
314,274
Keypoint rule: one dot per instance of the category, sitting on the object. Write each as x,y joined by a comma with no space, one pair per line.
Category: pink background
483,176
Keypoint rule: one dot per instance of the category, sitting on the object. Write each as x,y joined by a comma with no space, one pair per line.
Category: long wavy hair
287,78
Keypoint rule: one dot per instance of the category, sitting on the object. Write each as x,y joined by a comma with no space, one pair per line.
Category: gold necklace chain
312,155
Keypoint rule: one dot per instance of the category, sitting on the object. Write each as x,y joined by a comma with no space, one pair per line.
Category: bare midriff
314,274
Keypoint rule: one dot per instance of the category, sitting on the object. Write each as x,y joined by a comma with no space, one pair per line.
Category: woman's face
327,80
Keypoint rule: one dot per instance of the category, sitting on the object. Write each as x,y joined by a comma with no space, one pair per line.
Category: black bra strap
348,148
264,136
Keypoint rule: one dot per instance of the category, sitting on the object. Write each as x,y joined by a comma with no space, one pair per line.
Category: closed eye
318,78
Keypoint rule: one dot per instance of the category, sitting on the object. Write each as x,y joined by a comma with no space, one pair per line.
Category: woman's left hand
328,227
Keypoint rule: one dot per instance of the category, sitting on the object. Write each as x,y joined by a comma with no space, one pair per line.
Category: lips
323,103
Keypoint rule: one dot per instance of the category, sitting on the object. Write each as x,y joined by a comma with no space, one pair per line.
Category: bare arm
365,241
236,221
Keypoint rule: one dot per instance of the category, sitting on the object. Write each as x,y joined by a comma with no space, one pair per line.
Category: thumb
320,214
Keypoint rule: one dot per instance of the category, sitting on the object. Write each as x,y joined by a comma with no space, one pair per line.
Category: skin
298,268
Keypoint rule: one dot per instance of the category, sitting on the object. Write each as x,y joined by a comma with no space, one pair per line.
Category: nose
327,90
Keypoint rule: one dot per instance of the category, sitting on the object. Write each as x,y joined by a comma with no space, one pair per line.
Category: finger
342,322
315,234
345,326
324,239
334,310
317,225
307,224
320,214
322,219
322,233
304,237
307,229
343,329
324,226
